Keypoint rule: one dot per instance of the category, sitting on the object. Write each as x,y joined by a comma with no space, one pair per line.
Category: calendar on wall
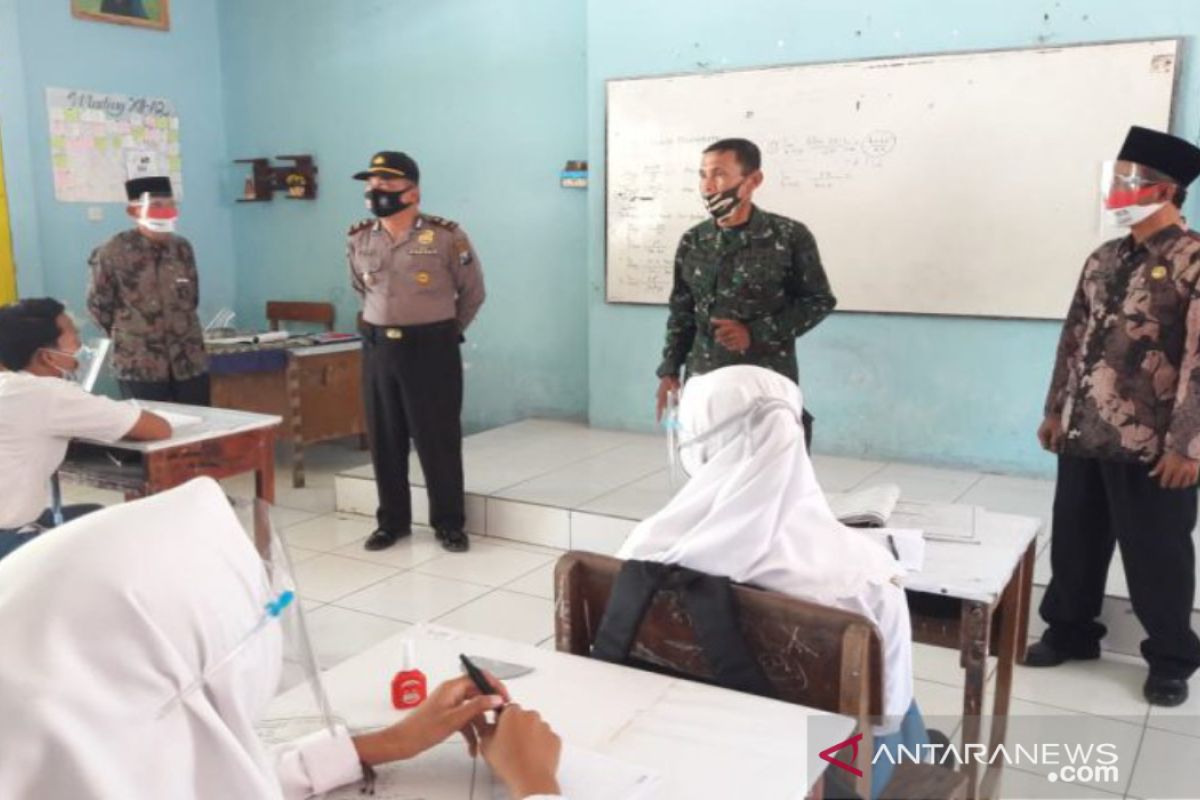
98,141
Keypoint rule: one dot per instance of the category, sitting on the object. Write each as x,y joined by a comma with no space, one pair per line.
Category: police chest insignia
423,278
1158,273
426,237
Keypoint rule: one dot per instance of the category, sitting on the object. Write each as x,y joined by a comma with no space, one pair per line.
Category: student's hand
732,335
665,386
1176,472
451,707
1050,433
522,750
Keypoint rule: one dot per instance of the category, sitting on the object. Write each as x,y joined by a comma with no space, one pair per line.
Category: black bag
712,607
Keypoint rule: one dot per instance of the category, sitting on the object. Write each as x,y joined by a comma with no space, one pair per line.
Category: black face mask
385,204
723,204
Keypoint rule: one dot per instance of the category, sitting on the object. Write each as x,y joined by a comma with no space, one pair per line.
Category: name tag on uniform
423,251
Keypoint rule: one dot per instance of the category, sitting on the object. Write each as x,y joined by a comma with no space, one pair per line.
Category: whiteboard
955,184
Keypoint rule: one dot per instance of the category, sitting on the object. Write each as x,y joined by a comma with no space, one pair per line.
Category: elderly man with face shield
144,642
747,282
752,511
144,293
1123,415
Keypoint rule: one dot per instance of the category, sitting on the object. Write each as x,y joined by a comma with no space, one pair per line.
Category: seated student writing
42,409
752,511
138,661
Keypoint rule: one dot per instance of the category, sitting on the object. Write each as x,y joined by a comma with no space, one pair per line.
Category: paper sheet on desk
448,771
941,521
177,421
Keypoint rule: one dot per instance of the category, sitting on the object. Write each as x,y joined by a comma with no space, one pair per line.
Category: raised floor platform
569,486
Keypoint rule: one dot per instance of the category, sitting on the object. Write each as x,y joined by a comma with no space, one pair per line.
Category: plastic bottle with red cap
409,686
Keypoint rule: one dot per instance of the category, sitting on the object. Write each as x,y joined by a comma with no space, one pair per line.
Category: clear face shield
686,453
1131,193
89,358
156,212
275,649
675,473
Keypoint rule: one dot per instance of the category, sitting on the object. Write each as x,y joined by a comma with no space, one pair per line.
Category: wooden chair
815,656
297,311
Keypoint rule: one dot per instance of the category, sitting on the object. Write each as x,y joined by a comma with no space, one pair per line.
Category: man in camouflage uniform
1123,415
421,285
143,293
747,282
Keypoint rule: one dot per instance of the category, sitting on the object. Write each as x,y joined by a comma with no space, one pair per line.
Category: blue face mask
84,353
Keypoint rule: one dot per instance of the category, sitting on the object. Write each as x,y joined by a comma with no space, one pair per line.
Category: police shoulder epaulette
441,223
360,226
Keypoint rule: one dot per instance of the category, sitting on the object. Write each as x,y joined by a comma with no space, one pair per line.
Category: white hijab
752,510
103,621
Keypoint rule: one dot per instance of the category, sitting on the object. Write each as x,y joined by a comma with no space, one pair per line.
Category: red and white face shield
1131,193
156,213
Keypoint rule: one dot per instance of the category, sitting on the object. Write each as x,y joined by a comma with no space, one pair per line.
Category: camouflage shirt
1126,380
144,294
765,274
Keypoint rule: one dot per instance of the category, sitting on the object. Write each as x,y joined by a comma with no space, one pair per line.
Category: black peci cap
154,186
1170,155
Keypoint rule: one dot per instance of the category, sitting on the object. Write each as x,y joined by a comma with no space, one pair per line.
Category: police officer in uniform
747,282
143,292
1123,415
421,285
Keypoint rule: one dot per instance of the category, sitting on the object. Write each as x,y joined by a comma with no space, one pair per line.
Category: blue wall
42,45
489,98
940,390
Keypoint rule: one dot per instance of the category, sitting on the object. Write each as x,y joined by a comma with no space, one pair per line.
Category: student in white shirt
753,511
109,621
42,409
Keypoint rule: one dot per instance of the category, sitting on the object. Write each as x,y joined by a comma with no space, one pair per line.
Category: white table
991,576
705,742
224,443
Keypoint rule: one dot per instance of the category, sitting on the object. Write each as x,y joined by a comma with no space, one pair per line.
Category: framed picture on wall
143,13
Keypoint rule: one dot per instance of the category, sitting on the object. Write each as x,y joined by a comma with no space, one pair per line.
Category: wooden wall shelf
298,181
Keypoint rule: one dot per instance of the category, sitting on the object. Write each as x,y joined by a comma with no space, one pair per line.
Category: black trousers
1102,504
192,391
413,389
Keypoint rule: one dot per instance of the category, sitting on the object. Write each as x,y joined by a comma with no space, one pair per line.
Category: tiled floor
354,598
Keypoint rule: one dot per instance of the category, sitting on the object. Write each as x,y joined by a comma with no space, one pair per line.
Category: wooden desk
224,444
703,741
991,581
316,389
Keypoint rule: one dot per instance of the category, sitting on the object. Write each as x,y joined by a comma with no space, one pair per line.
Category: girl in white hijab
752,511
105,623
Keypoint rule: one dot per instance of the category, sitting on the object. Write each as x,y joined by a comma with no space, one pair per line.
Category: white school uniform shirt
38,418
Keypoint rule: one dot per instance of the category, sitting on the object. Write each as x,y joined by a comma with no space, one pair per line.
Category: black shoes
1044,654
382,540
454,540
1165,691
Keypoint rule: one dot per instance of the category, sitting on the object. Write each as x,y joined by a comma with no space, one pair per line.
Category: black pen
477,677
892,547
